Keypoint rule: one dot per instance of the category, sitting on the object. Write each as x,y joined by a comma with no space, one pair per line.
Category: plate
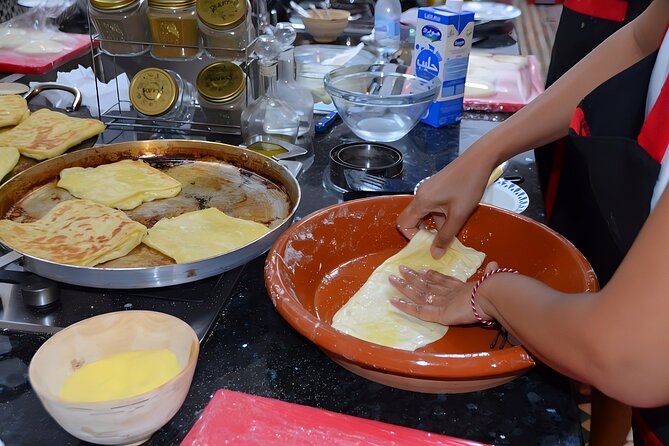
506,195
489,11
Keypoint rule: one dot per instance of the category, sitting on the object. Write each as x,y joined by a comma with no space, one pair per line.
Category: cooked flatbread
202,234
9,157
123,185
370,316
13,109
46,134
75,232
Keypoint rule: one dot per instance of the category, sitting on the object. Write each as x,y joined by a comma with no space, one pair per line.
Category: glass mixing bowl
380,102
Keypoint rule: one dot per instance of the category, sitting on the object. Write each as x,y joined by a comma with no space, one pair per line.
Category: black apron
604,192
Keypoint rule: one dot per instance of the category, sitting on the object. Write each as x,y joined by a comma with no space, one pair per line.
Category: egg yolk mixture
122,375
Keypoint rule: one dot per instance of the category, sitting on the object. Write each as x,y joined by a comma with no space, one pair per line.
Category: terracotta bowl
355,237
124,421
326,26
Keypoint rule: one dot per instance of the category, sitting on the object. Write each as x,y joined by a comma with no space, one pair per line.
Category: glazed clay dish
355,237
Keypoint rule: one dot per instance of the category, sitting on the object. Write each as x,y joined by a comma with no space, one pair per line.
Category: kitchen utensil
388,111
204,165
379,159
266,143
326,28
326,122
506,195
323,259
360,181
123,421
300,10
234,417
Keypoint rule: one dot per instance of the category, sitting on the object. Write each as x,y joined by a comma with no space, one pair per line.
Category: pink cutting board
242,419
14,62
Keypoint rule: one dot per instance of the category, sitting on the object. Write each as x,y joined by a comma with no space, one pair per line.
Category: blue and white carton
443,43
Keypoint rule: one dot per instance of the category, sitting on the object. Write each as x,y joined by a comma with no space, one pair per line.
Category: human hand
450,196
435,297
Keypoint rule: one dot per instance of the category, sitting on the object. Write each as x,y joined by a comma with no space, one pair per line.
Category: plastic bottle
387,27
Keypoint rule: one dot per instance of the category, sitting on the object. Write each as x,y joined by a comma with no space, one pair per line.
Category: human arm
455,191
616,339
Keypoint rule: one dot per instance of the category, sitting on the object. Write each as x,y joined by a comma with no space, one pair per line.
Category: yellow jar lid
153,91
221,14
171,4
108,5
221,82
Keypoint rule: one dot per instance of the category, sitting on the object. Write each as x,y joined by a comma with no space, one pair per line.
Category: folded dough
75,232
9,157
13,110
370,316
122,185
202,234
46,134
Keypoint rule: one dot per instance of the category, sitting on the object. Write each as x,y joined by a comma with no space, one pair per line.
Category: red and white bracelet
476,287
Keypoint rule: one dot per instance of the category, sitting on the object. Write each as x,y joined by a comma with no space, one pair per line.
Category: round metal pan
33,191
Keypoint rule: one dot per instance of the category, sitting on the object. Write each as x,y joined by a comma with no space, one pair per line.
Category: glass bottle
163,94
287,88
225,26
387,28
221,88
173,23
120,21
268,115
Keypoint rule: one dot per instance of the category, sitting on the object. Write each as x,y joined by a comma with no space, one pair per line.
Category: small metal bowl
372,158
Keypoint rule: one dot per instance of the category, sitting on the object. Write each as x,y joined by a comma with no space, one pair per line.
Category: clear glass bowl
380,102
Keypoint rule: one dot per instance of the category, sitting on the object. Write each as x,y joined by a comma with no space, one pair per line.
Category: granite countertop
252,349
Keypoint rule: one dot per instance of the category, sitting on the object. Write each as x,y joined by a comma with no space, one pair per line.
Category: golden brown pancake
202,234
46,134
75,232
9,157
122,185
13,109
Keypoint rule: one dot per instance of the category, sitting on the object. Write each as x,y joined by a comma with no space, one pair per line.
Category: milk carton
443,43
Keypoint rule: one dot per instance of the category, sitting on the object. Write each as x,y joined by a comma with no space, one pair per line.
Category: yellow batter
122,375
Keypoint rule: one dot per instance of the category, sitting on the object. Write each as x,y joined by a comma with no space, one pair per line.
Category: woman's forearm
547,118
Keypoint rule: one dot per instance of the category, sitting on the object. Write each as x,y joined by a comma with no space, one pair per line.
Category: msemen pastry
46,134
202,234
123,185
13,110
75,232
9,157
370,316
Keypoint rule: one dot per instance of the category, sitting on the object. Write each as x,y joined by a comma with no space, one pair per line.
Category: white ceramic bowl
117,422
326,26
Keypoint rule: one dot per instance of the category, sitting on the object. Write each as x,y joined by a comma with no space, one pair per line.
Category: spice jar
173,23
155,92
221,89
118,22
225,25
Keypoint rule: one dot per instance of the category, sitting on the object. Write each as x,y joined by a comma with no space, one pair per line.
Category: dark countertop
252,349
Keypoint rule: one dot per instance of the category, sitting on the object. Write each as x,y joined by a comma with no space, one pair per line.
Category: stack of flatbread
75,232
13,111
122,185
370,316
46,134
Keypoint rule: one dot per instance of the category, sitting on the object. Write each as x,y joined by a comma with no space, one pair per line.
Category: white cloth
657,80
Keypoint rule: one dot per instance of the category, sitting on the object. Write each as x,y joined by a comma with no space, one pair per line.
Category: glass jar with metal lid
121,25
159,93
221,88
174,32
225,26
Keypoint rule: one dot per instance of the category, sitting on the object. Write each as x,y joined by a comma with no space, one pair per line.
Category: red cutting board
242,419
14,62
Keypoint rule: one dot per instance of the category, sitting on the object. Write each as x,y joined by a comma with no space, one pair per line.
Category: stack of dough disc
13,110
370,316
122,185
75,232
46,134
202,234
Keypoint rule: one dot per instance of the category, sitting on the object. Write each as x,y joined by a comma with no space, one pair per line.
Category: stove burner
37,292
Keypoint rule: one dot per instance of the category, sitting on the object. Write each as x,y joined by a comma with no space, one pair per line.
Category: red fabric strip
642,428
615,10
579,124
654,135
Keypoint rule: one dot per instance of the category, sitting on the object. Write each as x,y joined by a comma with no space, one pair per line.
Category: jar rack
121,114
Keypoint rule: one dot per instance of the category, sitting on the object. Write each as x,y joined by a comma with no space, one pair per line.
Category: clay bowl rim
317,19
102,405
420,365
